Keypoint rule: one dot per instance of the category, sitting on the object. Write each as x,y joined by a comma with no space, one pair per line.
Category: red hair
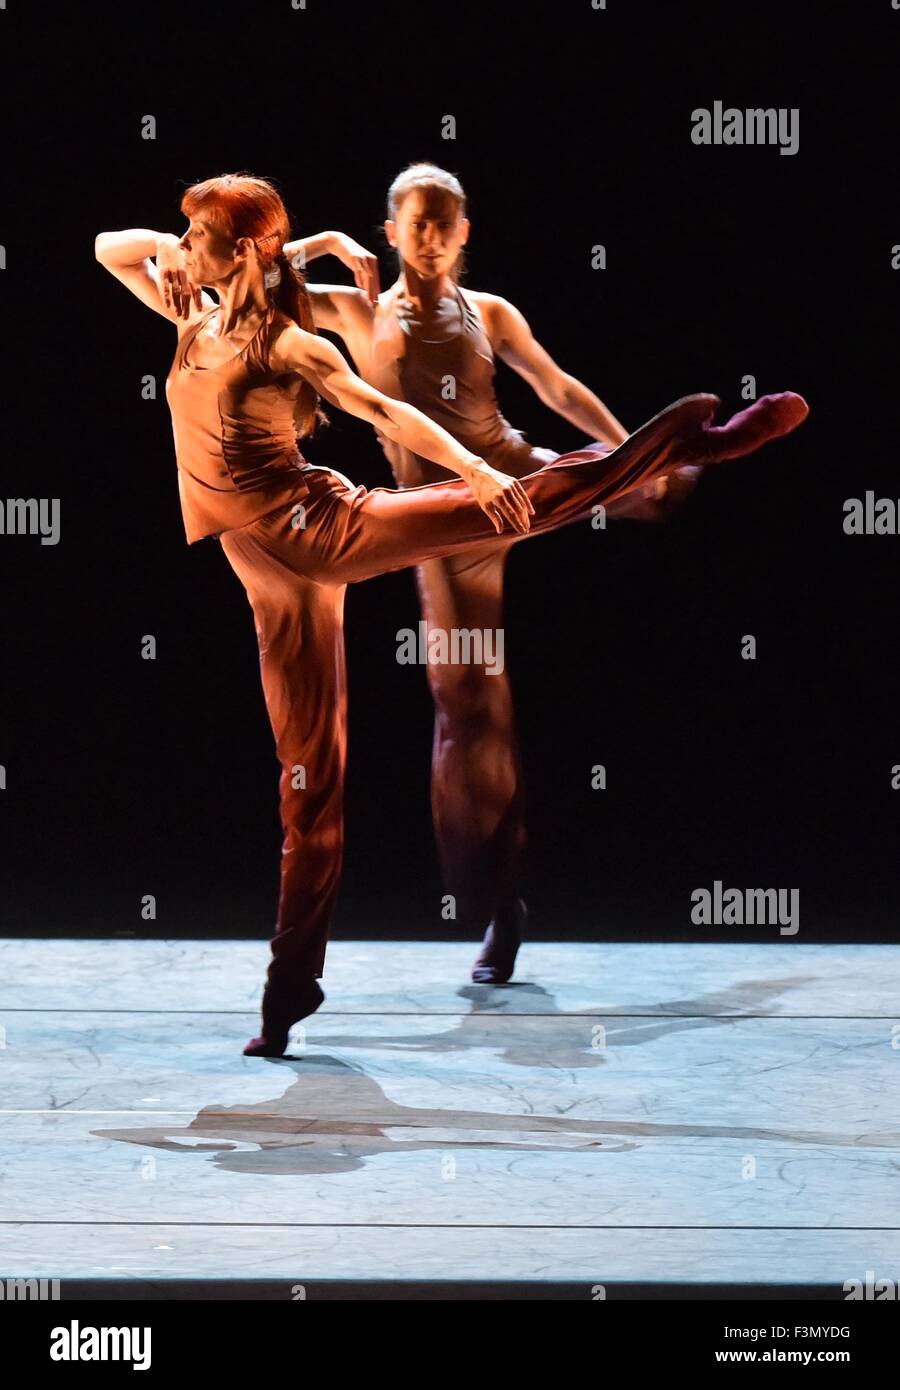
240,205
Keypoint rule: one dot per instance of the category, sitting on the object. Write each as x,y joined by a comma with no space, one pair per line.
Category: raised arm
503,499
150,264
514,342
336,306
349,252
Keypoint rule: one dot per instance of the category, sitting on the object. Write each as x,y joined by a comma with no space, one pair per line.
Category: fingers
374,282
520,508
187,294
524,495
513,509
489,509
511,506
365,273
177,293
518,517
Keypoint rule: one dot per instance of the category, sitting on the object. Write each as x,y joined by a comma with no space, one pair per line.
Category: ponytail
291,296
287,291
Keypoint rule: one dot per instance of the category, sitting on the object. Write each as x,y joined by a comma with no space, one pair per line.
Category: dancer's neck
241,297
425,294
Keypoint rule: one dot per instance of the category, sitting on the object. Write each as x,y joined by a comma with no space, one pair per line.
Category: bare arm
500,497
515,343
341,309
309,248
349,252
130,256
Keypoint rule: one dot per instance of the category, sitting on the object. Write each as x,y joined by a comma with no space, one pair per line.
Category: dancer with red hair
243,386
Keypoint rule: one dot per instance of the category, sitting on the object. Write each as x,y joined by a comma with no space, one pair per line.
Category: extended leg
355,534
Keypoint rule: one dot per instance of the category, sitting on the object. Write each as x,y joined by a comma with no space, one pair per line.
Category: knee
467,696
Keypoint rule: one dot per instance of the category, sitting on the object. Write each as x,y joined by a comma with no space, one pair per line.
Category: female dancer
245,375
425,342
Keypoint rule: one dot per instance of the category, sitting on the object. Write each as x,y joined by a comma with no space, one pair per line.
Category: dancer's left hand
501,498
363,264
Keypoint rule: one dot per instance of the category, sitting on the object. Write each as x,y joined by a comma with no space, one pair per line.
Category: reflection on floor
620,1117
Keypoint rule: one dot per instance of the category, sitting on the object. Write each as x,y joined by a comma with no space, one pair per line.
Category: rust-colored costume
312,532
235,437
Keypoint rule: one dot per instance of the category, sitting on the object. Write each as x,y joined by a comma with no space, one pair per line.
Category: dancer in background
427,342
243,383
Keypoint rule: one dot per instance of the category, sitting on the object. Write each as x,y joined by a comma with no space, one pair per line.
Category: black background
128,777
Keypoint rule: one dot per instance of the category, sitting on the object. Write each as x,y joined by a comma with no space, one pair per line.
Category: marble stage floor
624,1116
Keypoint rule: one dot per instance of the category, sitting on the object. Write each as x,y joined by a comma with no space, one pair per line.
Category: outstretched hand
502,498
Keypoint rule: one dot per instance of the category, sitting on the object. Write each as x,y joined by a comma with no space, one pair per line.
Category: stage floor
621,1117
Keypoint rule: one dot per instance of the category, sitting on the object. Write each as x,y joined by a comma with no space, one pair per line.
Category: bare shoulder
288,342
355,298
482,298
498,315
348,299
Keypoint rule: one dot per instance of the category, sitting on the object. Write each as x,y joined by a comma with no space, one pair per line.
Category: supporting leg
299,626
476,783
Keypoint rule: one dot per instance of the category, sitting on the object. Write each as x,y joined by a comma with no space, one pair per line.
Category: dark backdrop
128,777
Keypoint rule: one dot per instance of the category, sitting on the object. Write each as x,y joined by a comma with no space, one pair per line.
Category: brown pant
295,576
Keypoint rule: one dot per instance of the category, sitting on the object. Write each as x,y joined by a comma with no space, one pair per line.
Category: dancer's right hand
501,498
178,289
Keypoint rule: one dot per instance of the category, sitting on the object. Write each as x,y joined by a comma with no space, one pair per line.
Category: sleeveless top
451,380
235,440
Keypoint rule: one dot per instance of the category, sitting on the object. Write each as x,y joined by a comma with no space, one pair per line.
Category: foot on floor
502,940
277,1018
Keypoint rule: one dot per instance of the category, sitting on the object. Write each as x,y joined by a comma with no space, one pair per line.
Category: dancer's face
209,255
429,232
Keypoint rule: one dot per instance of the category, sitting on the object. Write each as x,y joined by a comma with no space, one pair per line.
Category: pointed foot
277,1018
497,961
768,418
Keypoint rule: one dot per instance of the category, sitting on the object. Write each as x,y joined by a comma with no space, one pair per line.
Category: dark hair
430,178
